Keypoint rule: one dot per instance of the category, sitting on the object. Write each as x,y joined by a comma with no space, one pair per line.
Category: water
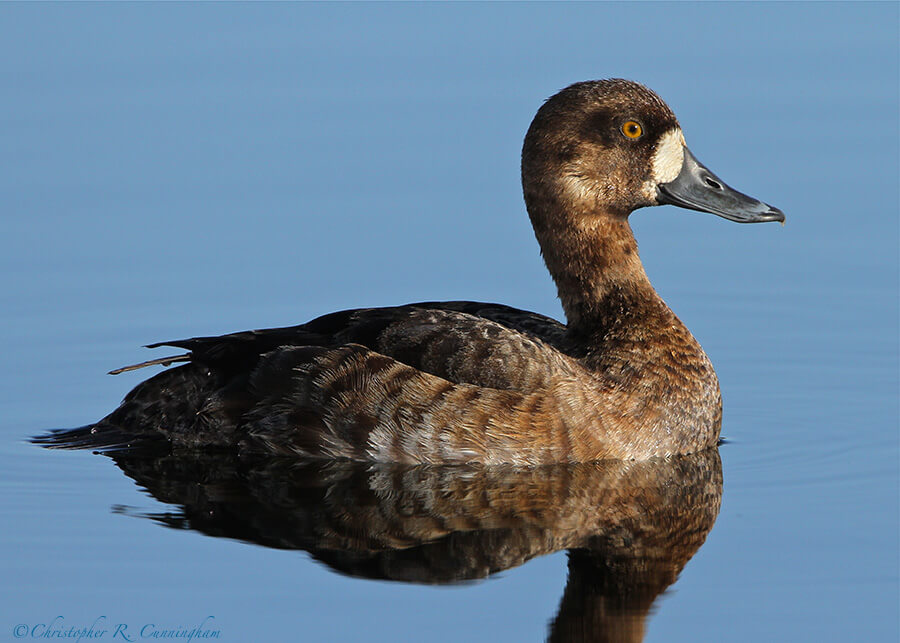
169,171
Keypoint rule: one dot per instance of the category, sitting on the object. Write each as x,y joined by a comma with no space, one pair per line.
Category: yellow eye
632,129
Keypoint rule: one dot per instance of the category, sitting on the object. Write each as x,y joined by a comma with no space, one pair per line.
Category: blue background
179,170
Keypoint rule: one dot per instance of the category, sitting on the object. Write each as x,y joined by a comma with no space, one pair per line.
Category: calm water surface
170,171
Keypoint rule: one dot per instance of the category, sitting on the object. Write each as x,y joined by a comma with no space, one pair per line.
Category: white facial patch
668,157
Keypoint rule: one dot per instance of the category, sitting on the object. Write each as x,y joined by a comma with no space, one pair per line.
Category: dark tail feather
164,361
100,437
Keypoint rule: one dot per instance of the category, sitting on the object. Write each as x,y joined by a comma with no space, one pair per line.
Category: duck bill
696,188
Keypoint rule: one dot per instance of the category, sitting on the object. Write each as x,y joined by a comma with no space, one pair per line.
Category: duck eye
632,129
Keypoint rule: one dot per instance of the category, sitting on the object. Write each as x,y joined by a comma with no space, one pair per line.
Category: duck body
453,382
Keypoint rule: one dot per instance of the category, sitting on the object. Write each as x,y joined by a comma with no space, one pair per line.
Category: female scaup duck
456,382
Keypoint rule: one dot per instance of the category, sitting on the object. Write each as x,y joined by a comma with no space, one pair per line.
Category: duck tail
99,437
188,406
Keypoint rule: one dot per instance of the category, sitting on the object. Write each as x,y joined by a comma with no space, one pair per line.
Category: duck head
613,146
594,153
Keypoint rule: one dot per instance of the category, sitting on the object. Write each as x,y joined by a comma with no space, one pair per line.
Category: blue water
169,171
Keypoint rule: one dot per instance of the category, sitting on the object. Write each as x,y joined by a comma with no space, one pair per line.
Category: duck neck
593,258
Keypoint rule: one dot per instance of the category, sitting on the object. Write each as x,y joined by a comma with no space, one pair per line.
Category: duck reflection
629,527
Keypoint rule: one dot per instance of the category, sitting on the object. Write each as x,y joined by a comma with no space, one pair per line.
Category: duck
466,382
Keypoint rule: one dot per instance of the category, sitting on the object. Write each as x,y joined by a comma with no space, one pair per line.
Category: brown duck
456,382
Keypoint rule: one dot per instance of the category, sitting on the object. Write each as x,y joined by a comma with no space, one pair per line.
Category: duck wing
464,342
431,382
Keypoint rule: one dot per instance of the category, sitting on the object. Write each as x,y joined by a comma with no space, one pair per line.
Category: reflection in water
630,527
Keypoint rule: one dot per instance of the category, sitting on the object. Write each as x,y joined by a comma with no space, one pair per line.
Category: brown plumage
457,382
